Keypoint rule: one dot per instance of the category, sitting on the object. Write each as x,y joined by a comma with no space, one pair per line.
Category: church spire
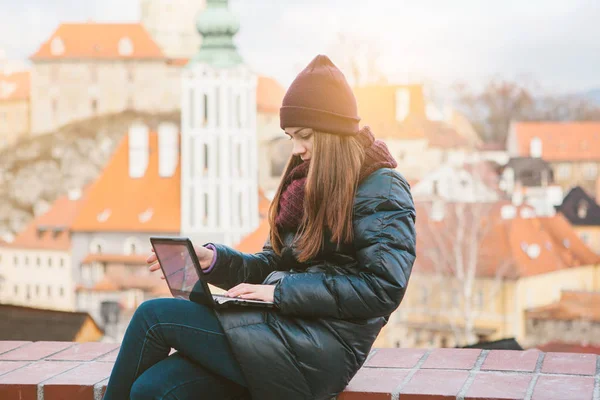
218,26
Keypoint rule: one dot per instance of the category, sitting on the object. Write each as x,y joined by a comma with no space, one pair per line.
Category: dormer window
125,46
57,47
402,104
535,147
582,209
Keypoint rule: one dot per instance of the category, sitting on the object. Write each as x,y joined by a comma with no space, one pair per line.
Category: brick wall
63,370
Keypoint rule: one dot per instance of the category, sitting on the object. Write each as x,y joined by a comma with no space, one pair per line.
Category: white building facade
219,176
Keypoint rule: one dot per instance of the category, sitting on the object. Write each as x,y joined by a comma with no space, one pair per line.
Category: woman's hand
252,292
204,255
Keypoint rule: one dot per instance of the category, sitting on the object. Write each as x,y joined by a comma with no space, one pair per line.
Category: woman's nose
298,149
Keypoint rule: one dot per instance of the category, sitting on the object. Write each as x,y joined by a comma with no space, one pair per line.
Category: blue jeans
202,368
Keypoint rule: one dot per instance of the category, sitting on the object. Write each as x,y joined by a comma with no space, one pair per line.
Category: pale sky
555,42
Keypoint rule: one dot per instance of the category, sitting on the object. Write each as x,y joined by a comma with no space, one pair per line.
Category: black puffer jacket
330,309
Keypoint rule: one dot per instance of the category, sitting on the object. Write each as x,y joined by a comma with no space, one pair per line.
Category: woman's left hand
252,292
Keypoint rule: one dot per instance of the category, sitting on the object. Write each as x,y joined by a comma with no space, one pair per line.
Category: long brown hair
329,194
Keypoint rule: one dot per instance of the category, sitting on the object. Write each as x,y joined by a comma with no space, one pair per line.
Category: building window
94,105
590,171
49,262
238,109
38,261
582,209
37,290
238,159
55,107
28,292
205,114
93,74
16,290
217,109
130,74
62,262
585,237
62,291
192,220
564,171
132,246
15,261
205,166
479,299
96,247
205,216
424,295
49,291
26,261
241,208
191,111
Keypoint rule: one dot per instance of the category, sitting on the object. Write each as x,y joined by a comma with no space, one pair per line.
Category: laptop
182,271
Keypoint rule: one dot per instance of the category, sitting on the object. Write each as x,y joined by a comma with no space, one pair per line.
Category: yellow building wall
89,332
14,121
429,303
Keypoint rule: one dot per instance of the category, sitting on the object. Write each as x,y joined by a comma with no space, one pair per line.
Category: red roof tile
514,248
124,200
269,95
135,259
561,141
573,305
52,230
15,86
254,242
377,109
99,41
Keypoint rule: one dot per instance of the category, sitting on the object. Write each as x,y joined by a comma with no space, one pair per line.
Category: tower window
192,112
205,114
205,166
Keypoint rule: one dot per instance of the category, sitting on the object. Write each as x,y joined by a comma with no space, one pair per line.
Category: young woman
337,263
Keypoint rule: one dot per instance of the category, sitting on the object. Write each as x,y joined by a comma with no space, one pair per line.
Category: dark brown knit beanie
320,98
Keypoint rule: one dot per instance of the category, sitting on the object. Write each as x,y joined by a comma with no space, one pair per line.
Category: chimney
168,149
138,150
535,148
402,104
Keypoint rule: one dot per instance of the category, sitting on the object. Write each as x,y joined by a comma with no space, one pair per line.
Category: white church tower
171,24
219,177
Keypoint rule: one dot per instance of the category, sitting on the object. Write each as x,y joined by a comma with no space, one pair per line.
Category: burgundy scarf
291,202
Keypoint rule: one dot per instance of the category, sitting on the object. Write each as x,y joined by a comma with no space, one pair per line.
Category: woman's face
302,139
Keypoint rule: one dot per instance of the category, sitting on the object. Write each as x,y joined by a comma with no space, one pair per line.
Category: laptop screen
178,267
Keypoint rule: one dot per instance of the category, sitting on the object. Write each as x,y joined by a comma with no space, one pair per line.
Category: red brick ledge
64,370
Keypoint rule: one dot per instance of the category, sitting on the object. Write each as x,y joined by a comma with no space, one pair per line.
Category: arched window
97,246
132,246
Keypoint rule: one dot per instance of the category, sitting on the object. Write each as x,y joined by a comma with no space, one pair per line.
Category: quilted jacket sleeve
233,267
384,240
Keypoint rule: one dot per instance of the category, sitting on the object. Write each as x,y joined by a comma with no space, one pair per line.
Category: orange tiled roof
269,95
135,259
98,41
147,204
14,86
573,305
254,242
52,230
377,109
504,245
561,141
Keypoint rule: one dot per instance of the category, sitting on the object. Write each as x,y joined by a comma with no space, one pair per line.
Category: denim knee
143,390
